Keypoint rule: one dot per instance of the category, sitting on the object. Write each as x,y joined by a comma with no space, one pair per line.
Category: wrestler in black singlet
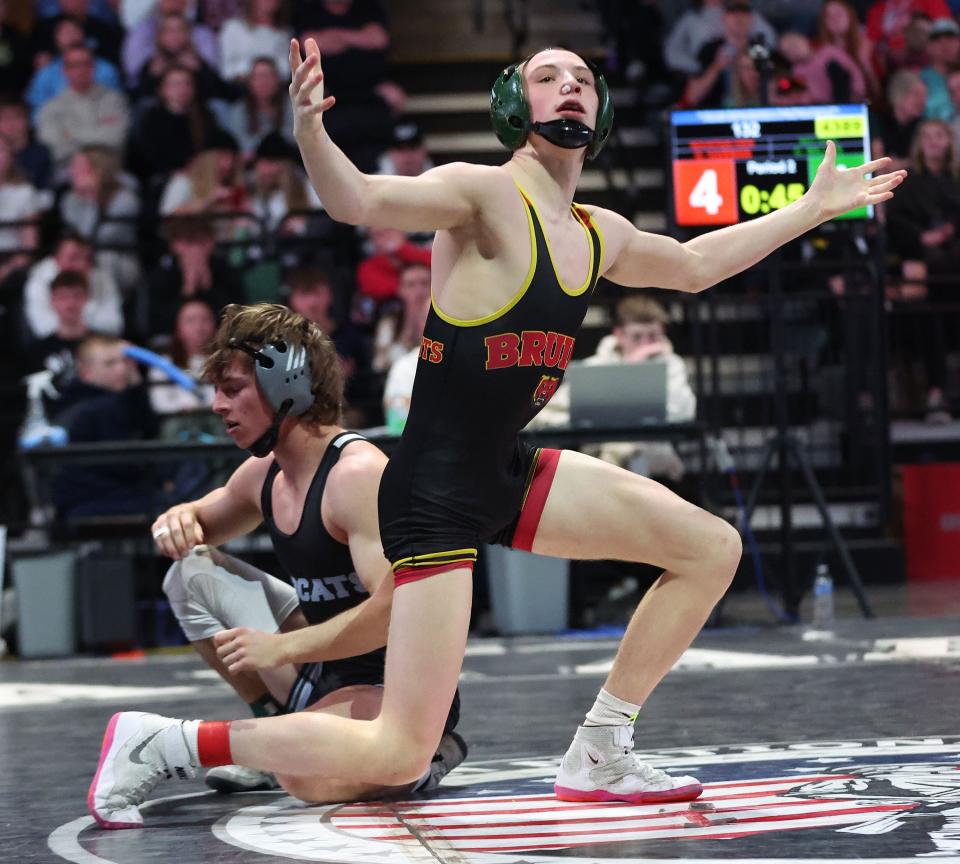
321,570
459,474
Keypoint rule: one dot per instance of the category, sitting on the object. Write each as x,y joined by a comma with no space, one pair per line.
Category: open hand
244,650
306,86
836,190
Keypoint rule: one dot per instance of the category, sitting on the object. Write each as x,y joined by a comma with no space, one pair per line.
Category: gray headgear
283,373
283,376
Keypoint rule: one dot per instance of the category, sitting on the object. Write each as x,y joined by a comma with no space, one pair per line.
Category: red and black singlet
458,475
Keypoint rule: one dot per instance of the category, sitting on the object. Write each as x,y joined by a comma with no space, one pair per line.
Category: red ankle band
213,743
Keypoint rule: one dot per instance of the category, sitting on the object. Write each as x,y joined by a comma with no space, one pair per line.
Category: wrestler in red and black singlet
460,476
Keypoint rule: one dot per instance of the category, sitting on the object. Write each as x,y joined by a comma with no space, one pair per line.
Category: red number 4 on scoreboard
705,191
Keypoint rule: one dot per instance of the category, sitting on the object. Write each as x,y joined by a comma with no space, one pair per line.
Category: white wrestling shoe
131,764
600,766
451,752
229,779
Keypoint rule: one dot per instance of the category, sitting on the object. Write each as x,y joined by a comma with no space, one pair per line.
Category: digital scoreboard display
734,164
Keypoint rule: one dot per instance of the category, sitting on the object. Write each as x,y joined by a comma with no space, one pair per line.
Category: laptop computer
621,395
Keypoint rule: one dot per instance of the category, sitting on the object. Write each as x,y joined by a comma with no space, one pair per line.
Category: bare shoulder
615,229
355,479
607,221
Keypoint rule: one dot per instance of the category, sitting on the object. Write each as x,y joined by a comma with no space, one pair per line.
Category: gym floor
851,736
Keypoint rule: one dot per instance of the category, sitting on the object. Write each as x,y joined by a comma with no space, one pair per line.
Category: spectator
943,49
212,181
14,55
103,312
216,13
69,295
192,269
723,78
888,26
823,74
171,132
634,36
103,9
354,42
141,40
102,36
311,295
262,31
264,107
407,155
195,326
953,88
86,113
786,16
100,203
839,27
50,80
915,40
19,202
378,277
895,129
704,24
105,402
174,48
639,336
278,186
737,86
399,329
923,229
32,157
398,343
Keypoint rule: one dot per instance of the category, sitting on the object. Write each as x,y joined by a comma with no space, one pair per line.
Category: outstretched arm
443,197
642,260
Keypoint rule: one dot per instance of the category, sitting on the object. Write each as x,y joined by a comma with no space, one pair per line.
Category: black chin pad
566,133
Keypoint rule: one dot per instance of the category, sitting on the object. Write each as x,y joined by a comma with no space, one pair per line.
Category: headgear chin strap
283,375
566,133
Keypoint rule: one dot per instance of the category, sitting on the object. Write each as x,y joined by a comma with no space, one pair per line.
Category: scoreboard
730,165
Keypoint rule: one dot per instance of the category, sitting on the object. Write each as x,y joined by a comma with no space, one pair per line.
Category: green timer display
758,200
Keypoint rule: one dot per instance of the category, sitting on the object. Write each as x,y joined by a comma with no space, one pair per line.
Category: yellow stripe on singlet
475,322
429,559
530,472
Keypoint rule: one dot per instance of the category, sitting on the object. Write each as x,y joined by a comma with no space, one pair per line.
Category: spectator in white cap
943,50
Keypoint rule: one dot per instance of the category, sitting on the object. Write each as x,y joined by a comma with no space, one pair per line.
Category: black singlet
319,567
457,477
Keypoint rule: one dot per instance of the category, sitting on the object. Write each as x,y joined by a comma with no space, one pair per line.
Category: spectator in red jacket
379,276
887,22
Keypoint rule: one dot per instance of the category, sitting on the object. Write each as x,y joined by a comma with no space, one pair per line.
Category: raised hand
836,189
306,86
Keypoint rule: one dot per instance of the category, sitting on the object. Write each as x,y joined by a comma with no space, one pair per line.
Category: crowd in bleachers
148,173
149,176
902,57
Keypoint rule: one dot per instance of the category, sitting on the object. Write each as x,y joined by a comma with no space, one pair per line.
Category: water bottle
823,598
